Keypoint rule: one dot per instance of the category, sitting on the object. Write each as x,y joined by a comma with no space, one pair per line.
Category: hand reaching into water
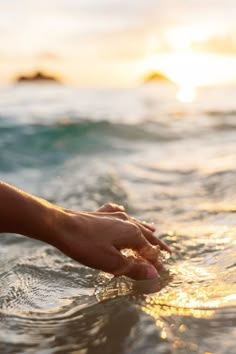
103,234
93,239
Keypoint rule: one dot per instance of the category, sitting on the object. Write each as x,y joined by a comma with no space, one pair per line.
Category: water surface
170,163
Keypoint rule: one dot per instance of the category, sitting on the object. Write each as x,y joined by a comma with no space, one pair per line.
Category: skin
94,239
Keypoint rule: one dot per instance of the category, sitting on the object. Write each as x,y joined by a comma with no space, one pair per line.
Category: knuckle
108,205
122,215
134,229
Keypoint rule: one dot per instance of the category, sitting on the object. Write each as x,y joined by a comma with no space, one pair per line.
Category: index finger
132,238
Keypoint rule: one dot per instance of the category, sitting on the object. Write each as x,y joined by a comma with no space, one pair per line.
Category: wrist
64,229
41,220
52,222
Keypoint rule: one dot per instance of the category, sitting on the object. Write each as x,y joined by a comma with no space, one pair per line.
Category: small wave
223,120
45,145
222,113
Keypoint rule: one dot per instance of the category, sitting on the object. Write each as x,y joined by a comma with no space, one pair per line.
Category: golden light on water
193,299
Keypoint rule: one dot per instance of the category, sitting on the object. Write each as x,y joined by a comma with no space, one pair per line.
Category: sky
118,42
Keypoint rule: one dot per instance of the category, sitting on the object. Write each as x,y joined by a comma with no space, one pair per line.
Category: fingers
118,211
145,224
105,208
148,226
156,241
153,239
111,208
149,235
120,214
124,216
163,246
132,238
146,229
134,268
137,269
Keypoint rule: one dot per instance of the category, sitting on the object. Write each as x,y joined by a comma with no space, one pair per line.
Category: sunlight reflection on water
168,163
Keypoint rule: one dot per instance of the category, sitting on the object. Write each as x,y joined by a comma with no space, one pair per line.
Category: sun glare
186,94
181,38
187,67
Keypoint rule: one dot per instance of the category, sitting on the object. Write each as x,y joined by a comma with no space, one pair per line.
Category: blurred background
116,43
131,102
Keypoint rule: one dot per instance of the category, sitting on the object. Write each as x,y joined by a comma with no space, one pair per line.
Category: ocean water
170,163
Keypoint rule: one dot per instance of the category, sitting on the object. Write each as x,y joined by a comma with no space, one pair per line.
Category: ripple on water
48,301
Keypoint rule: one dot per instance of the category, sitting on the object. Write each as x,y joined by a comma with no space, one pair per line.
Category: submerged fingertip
152,272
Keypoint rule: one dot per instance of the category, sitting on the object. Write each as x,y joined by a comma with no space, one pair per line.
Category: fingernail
121,207
151,272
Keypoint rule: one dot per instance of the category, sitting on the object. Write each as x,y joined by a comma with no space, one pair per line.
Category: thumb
138,269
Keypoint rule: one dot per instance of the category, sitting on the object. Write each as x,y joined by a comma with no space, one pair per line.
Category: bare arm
94,239
25,214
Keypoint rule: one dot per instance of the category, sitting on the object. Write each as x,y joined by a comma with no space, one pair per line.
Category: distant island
37,77
156,76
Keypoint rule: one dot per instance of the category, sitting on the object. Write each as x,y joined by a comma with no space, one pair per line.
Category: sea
168,162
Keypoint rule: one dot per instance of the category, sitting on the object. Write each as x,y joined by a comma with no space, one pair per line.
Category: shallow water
170,163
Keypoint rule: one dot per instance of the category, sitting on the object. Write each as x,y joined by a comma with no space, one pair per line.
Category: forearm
25,214
93,239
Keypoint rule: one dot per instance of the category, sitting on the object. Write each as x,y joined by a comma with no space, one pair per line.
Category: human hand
96,240
118,211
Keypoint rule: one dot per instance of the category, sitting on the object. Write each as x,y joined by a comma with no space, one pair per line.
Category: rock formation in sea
156,76
37,77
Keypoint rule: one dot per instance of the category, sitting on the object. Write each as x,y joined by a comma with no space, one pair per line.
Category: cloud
49,56
217,45
61,32
158,13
